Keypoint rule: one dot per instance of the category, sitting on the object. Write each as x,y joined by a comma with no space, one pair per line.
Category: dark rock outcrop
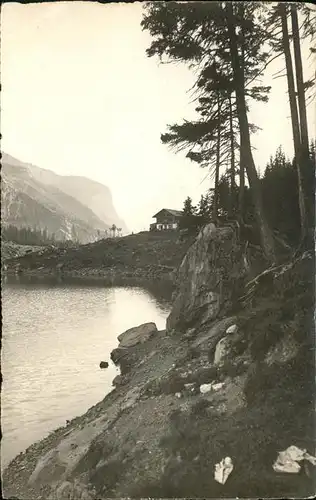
208,279
124,355
136,335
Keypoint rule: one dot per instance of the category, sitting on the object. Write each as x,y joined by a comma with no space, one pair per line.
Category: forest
31,236
229,46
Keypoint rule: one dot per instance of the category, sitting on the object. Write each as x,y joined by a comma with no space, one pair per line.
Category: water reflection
161,290
54,337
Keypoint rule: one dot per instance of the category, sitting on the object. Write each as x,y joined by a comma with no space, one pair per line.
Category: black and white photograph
158,250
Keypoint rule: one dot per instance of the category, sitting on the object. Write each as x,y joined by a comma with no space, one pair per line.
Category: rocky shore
11,250
229,381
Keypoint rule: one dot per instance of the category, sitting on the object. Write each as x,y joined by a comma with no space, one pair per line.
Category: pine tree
222,42
294,113
188,208
188,219
204,209
281,19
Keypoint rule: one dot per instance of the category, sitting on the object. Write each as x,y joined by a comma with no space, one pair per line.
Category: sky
80,97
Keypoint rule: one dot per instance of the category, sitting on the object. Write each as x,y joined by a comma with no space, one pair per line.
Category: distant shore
132,259
162,286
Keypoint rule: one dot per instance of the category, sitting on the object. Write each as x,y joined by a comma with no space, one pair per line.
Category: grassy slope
279,409
146,251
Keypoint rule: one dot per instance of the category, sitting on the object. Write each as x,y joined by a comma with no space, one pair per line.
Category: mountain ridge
36,197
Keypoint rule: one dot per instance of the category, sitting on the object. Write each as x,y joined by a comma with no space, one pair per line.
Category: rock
212,261
218,386
232,329
125,358
204,388
210,338
224,346
117,354
119,380
221,351
104,364
288,460
223,469
136,335
178,395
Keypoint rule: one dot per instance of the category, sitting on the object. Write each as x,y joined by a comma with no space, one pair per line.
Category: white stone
178,395
232,329
223,469
218,386
288,467
204,388
288,459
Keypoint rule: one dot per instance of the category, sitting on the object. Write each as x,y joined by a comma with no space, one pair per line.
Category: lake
53,339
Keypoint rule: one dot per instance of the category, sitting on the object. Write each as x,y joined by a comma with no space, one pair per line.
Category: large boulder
123,358
136,335
118,354
224,346
207,341
208,279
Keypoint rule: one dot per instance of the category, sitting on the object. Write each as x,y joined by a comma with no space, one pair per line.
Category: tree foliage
228,45
280,198
223,43
27,235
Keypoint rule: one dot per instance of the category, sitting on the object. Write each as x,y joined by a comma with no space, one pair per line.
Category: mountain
92,194
35,197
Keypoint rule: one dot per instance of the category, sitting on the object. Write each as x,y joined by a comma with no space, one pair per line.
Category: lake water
53,339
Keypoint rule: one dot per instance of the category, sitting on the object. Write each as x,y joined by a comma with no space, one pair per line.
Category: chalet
166,219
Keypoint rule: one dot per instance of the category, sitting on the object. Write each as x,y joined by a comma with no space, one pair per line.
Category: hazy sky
80,97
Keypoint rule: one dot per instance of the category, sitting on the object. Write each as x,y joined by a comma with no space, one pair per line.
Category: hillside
40,198
145,255
231,376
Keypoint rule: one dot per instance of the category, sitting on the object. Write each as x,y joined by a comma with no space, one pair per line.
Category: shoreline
161,287
118,401
234,360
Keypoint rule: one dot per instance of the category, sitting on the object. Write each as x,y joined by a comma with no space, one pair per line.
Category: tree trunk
299,80
294,118
241,193
241,196
218,158
305,158
232,205
267,241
